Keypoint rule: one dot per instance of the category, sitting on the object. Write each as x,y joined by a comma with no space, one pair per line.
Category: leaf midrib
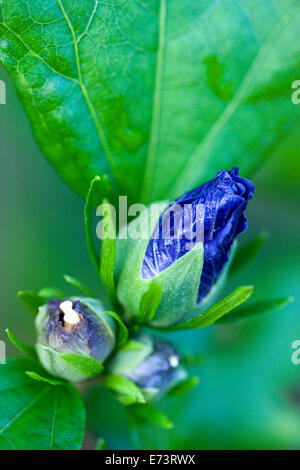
85,93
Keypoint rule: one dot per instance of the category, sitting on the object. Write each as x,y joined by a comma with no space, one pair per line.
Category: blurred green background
249,391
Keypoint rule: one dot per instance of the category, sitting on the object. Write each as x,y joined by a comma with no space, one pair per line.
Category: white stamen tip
174,361
70,316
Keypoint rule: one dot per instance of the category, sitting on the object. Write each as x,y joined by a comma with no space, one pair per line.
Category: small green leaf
183,387
50,293
76,283
247,252
255,311
101,444
86,365
36,415
28,351
40,378
216,311
108,252
89,203
150,414
32,301
125,387
149,303
123,331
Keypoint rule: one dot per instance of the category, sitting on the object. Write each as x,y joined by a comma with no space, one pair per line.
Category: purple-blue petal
89,337
217,211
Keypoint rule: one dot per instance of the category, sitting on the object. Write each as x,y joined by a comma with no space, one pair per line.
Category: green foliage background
246,396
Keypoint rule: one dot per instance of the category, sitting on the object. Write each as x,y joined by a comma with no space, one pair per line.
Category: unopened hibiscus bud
152,364
188,249
76,327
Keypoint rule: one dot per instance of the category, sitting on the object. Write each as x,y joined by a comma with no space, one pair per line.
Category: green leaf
32,301
216,311
255,311
149,303
86,365
28,351
123,331
128,113
101,444
182,387
40,378
247,252
108,251
51,292
76,283
150,414
124,387
36,415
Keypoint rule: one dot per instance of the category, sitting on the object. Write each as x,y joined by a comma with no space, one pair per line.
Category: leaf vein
90,105
66,77
23,410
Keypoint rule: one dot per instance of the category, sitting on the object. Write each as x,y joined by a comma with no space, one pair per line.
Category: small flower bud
152,364
73,326
188,249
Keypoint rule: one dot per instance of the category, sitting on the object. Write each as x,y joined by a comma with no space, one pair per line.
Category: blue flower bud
217,207
185,248
152,364
75,327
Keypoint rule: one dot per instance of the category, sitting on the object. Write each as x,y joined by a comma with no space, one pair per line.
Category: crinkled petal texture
212,213
91,337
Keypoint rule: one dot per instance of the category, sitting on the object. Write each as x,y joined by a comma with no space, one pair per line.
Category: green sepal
71,367
149,303
39,378
246,253
93,192
180,283
32,301
78,284
256,310
88,366
108,252
127,391
216,311
122,329
150,414
28,351
184,386
51,293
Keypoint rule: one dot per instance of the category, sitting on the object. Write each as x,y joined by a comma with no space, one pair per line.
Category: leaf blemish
121,128
216,77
